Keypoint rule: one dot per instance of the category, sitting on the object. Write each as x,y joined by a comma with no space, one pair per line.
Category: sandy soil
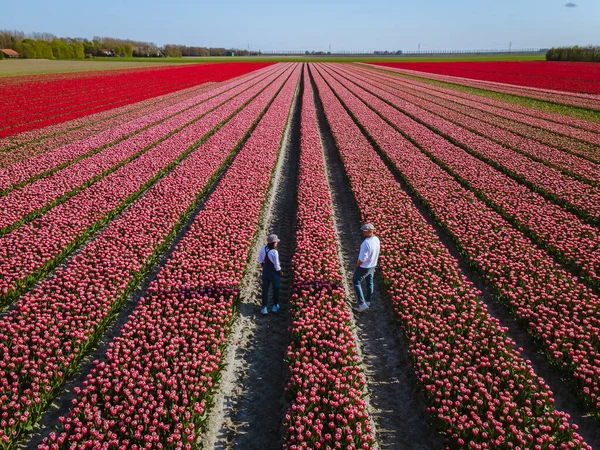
249,407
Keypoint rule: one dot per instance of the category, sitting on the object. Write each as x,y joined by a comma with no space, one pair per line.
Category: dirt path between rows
249,408
397,404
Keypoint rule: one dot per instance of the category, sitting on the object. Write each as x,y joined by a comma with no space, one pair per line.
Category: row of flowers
156,385
570,132
49,331
481,391
545,144
114,144
84,169
32,250
40,103
574,78
580,197
575,243
587,101
327,382
556,309
20,147
521,113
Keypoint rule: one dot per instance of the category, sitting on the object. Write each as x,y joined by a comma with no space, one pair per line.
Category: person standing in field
271,273
365,266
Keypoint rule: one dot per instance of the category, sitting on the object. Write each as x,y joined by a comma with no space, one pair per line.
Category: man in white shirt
271,272
365,266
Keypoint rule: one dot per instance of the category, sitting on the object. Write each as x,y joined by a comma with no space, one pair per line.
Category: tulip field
132,202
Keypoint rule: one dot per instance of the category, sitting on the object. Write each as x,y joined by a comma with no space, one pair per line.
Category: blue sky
313,25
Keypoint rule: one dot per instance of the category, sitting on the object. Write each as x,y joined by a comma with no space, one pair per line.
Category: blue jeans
267,279
361,274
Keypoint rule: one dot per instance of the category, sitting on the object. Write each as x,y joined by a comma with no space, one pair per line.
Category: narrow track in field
250,406
397,404
564,390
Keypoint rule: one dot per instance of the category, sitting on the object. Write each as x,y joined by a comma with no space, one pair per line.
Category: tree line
177,51
589,54
49,46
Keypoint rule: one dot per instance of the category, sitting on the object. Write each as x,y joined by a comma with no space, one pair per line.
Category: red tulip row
560,312
480,390
572,77
327,381
557,124
51,328
119,142
22,146
587,101
40,103
572,156
30,201
31,251
575,242
156,387
578,196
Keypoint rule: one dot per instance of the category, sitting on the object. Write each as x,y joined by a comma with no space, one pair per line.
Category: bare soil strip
249,407
397,404
564,391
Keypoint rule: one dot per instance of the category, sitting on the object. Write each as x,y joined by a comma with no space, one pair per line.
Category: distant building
9,53
229,53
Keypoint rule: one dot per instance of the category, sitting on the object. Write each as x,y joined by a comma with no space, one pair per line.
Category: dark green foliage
48,46
588,54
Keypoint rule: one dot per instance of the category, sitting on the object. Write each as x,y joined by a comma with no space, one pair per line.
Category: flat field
11,67
134,205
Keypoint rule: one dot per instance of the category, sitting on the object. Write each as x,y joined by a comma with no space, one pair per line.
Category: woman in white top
365,266
271,272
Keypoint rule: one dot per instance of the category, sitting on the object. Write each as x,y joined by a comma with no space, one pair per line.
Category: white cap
272,238
367,227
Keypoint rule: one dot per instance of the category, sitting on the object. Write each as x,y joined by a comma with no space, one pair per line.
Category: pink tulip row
124,139
557,310
27,201
156,387
580,160
36,142
509,133
575,242
563,125
51,328
577,195
481,392
568,139
326,377
29,252
588,101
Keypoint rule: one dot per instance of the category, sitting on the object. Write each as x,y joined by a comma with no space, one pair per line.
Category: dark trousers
268,280
361,274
